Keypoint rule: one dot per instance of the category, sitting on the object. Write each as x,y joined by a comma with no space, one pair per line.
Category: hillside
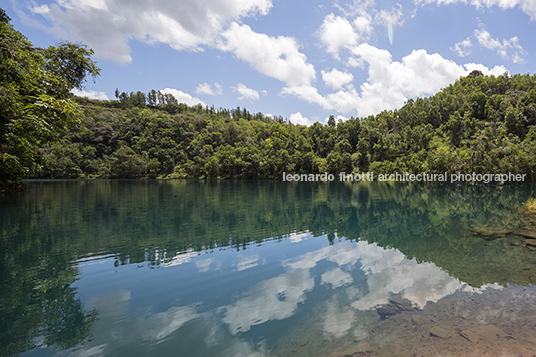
481,124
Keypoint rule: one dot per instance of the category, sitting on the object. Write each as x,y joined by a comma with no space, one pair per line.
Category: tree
331,121
151,98
34,97
475,73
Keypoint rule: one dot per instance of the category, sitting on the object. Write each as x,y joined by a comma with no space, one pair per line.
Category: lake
265,268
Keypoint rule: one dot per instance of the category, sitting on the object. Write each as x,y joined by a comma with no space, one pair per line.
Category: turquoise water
247,268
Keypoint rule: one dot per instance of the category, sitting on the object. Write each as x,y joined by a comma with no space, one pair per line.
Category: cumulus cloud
183,97
357,24
390,83
336,79
363,25
299,119
337,32
276,57
527,6
205,88
246,93
91,94
108,25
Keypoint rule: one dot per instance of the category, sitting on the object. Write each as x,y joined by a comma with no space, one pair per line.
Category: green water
246,268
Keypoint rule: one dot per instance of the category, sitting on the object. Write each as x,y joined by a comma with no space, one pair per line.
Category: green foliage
481,124
34,97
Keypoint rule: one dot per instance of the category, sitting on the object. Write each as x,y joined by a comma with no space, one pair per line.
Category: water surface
259,268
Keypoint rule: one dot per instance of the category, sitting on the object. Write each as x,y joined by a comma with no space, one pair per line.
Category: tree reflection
38,305
156,222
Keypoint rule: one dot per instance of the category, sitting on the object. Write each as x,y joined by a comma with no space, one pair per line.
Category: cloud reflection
336,278
272,299
365,275
387,272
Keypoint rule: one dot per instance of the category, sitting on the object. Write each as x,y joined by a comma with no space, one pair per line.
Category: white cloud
276,57
527,6
390,84
393,17
463,48
502,48
337,32
363,25
336,79
183,97
246,93
108,25
91,94
205,88
299,119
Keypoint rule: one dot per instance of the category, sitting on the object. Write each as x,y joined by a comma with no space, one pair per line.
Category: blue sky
304,60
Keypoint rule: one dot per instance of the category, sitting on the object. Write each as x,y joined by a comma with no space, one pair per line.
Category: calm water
250,268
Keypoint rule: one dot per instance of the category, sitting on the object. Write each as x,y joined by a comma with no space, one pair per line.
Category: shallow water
261,268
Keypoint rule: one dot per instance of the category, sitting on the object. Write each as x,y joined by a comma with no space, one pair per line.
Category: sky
302,59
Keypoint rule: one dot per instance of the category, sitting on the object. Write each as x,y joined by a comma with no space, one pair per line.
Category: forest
480,124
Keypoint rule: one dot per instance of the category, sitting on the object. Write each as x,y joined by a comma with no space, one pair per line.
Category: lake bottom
494,322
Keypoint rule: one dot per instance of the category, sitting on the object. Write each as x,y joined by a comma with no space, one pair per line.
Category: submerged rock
530,242
396,305
420,320
491,232
360,349
486,333
526,234
437,331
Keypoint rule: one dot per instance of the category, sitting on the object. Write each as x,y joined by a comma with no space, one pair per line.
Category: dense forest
481,124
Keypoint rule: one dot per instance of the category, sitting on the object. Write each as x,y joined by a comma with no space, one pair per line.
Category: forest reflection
161,222
46,232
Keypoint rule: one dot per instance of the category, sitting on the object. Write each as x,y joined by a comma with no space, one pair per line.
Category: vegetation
481,124
35,101
531,205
